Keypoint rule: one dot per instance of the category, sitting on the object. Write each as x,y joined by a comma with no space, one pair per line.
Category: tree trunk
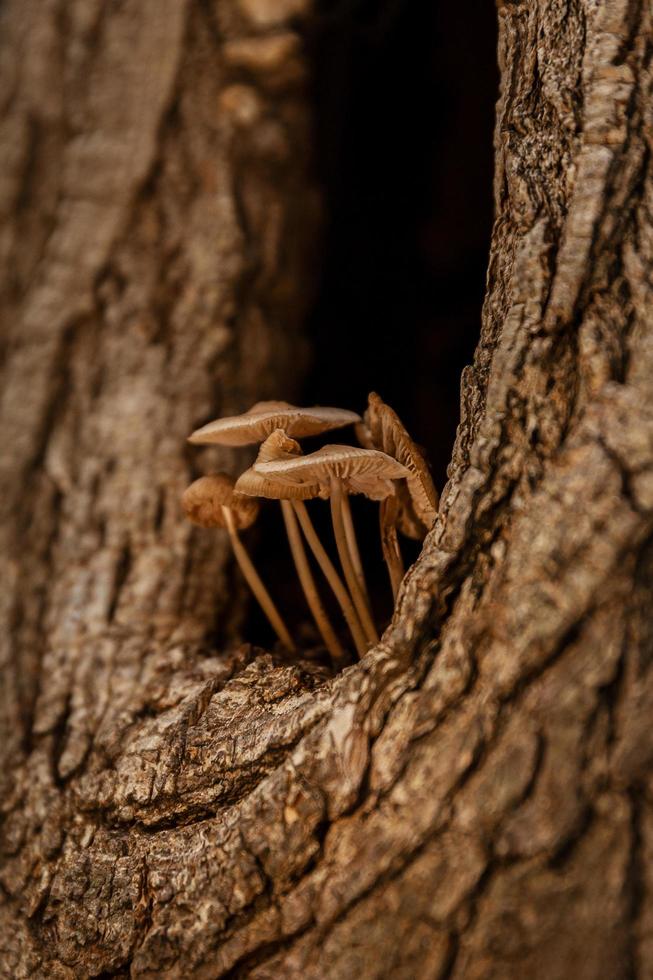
473,799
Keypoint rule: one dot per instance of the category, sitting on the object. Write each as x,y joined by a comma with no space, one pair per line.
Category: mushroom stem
308,583
256,585
354,553
390,542
332,577
346,562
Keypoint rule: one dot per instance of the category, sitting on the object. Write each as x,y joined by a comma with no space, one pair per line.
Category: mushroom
336,471
418,500
211,502
414,507
264,417
277,447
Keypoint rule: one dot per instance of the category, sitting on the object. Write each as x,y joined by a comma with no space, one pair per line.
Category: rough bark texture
473,799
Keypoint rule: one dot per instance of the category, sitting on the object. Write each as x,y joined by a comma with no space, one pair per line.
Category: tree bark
473,799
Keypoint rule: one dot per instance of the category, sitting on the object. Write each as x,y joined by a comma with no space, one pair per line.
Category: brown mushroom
415,505
337,471
418,499
277,447
264,417
211,502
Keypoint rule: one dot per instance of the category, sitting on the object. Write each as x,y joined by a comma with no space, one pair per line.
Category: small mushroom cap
264,417
418,500
277,446
255,484
204,499
365,471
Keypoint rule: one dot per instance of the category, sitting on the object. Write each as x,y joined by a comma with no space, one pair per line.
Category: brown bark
471,800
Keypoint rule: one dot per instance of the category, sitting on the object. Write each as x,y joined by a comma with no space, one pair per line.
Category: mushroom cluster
389,468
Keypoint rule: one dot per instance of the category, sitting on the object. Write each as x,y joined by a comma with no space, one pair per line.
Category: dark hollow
404,93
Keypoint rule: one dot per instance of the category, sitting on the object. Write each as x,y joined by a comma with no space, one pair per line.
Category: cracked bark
474,798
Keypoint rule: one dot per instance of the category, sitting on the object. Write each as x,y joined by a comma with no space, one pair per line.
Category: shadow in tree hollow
404,94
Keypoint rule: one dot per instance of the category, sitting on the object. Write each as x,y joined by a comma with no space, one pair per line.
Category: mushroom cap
278,445
204,499
264,417
418,500
365,471
255,484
